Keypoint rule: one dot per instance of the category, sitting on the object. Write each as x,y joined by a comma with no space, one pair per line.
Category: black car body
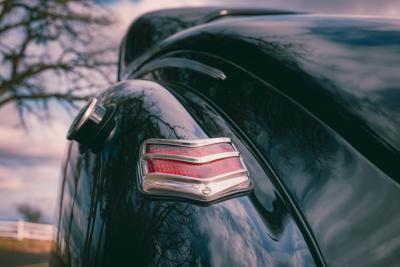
313,104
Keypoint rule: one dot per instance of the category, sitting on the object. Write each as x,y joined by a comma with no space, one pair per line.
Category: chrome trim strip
199,192
204,159
176,62
188,143
173,177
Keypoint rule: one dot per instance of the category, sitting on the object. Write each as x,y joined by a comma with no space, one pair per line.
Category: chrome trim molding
199,189
172,177
176,62
204,159
187,143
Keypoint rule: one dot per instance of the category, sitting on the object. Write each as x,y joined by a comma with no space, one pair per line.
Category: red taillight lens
203,170
196,170
189,151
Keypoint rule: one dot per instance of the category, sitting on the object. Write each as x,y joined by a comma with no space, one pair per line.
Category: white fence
26,230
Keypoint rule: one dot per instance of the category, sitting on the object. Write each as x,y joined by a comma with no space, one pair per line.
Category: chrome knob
92,126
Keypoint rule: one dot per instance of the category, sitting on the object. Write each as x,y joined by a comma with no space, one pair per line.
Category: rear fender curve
126,228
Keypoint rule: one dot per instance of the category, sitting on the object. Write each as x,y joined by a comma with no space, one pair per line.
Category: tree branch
54,50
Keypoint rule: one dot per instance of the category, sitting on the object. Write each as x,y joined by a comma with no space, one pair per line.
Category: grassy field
24,253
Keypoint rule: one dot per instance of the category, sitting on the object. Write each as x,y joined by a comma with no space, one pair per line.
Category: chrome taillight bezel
185,187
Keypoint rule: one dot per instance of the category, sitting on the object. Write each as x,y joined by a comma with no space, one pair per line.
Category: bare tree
30,214
53,50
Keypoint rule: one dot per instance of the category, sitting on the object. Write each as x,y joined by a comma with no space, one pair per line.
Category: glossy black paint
316,101
150,29
113,224
343,70
310,101
350,205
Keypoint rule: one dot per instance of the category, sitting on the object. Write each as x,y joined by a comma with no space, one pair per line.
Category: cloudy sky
30,160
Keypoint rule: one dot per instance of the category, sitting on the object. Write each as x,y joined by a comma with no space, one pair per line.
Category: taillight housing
203,170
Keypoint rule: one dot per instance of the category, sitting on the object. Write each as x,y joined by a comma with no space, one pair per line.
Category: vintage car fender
126,228
311,104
